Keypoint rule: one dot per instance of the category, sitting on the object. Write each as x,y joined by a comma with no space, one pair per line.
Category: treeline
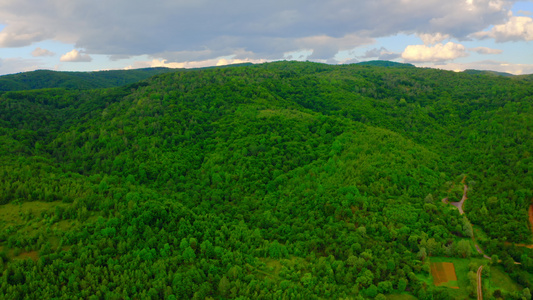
45,79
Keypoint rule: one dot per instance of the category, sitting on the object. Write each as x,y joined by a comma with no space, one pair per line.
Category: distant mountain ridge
487,72
45,79
41,79
385,63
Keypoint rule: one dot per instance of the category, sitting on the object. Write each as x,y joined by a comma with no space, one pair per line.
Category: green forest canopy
286,179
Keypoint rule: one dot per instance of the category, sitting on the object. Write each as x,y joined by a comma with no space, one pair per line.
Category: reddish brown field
531,216
442,273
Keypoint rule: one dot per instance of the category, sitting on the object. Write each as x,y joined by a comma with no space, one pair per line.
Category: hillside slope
288,179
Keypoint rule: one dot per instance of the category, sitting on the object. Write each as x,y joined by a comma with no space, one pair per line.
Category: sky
83,35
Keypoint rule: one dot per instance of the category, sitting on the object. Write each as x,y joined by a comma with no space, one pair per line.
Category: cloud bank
199,30
515,29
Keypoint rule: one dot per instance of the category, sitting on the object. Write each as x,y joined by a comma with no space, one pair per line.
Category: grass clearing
404,296
273,265
29,220
501,280
33,255
462,268
27,212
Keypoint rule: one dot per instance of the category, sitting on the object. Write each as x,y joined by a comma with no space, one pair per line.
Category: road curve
479,289
460,204
480,251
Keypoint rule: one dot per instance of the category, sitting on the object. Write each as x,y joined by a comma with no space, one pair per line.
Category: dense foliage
295,180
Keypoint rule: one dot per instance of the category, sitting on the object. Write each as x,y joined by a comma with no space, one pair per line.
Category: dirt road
481,252
479,289
460,204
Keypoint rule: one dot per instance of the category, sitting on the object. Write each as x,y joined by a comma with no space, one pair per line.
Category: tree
365,278
189,255
463,248
402,284
371,291
224,286
422,254
381,297
467,228
432,246
352,260
429,199
526,293
385,287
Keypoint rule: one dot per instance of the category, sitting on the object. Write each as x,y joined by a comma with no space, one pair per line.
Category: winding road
461,203
479,289
459,206
481,252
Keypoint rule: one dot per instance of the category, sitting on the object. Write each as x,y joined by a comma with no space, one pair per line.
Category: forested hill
487,73
291,180
42,79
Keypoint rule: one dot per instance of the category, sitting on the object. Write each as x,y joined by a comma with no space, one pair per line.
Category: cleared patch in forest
403,296
18,214
444,274
501,280
33,255
28,220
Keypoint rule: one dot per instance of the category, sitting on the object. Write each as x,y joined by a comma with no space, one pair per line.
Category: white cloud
41,52
431,39
75,56
515,29
485,50
436,53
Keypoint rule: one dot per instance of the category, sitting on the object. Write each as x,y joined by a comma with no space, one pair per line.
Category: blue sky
83,35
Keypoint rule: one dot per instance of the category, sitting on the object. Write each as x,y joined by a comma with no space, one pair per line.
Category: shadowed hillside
42,79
